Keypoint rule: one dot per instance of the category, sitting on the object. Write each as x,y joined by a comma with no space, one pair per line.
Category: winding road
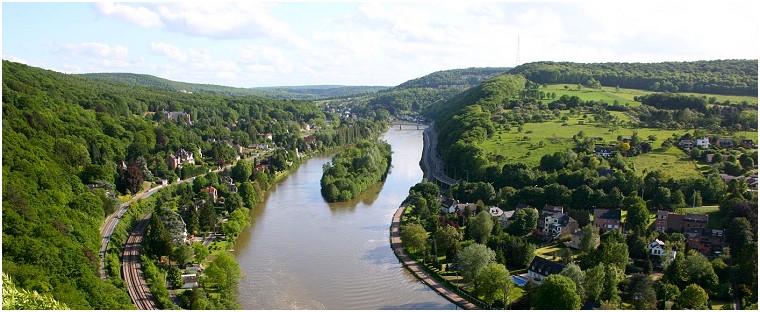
433,162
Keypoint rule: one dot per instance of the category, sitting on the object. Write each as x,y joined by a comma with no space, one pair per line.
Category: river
303,253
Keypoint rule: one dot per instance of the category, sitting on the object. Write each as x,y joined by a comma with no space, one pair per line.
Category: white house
189,281
495,212
656,248
703,142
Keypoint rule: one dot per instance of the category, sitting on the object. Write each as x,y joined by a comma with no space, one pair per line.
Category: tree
241,172
447,239
232,202
594,282
698,269
157,240
574,272
223,272
182,254
480,227
638,218
613,253
693,298
641,292
556,293
175,277
525,222
414,237
248,194
590,238
473,258
739,233
612,277
200,251
667,292
493,283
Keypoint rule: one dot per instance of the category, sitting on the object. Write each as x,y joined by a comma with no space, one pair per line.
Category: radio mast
517,59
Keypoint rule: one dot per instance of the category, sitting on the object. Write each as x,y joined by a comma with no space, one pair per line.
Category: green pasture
623,95
557,136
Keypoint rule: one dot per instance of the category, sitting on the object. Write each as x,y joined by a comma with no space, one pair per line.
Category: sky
254,44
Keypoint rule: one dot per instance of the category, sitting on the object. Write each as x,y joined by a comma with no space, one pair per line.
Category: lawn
672,161
549,251
623,95
527,147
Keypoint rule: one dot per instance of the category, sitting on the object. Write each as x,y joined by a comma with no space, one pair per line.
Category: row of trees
353,170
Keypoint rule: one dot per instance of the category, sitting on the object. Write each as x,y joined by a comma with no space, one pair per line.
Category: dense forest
278,93
738,77
353,170
71,145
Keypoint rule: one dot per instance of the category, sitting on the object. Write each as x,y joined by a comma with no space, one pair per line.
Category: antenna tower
517,60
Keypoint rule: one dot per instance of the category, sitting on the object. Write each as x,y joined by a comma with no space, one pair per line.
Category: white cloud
140,16
217,20
16,59
171,51
97,55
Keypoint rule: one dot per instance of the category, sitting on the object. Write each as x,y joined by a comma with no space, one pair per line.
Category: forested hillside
63,133
738,77
355,169
279,93
429,90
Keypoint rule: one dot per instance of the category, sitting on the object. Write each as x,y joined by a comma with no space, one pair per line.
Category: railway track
131,268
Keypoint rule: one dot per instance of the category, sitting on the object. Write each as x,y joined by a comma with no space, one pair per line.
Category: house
747,143
661,221
503,217
694,221
725,143
603,151
703,142
541,268
268,135
656,248
495,212
575,240
550,208
446,204
686,144
178,116
211,193
172,161
607,219
556,224
709,242
673,222
232,188
189,281
506,218
193,268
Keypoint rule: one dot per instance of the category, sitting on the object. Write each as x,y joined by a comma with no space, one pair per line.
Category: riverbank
416,269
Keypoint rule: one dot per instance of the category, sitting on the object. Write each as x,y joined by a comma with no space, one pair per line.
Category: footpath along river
303,253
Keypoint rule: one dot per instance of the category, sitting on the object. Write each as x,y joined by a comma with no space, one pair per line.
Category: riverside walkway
415,268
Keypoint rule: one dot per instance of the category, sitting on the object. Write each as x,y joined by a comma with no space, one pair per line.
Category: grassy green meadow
625,96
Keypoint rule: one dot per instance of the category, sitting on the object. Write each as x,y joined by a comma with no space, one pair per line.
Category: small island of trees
355,169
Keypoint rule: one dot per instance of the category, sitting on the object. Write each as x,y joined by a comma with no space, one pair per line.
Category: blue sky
248,44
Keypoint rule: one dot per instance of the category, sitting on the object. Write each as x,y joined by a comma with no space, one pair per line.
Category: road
433,162
131,268
412,266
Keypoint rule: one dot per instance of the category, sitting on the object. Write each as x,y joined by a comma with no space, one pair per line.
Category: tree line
738,77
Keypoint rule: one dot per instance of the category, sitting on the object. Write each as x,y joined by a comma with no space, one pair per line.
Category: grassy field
556,135
623,96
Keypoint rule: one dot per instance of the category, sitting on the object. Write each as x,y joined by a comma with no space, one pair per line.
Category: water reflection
303,253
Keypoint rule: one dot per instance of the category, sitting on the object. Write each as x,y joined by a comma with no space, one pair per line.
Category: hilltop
280,93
